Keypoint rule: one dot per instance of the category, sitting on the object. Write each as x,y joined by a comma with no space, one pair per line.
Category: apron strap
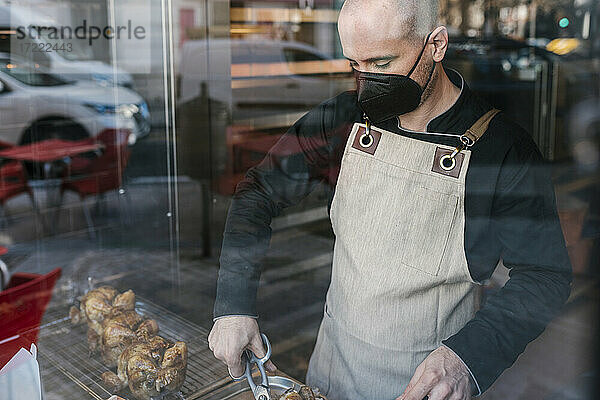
475,132
479,127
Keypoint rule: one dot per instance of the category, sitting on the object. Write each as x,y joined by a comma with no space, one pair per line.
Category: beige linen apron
400,281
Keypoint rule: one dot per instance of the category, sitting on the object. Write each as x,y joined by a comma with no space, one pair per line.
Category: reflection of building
537,19
513,67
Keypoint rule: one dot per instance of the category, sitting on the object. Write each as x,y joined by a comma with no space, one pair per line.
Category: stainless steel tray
240,390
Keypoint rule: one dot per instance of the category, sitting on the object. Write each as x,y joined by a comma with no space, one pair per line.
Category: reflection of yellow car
562,46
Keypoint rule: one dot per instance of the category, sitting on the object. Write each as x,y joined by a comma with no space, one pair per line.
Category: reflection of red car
22,306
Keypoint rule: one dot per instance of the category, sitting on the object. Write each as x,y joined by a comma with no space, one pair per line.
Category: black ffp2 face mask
384,96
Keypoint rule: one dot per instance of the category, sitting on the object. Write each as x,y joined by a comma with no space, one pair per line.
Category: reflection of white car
36,105
265,74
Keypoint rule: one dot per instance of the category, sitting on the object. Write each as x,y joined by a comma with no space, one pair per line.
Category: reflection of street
149,156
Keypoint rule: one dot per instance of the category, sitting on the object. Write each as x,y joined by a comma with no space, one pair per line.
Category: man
414,236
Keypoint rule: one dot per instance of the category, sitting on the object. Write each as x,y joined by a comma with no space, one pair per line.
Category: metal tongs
262,390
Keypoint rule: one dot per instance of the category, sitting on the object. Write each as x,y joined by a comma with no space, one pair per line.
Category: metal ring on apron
366,135
443,163
365,140
466,142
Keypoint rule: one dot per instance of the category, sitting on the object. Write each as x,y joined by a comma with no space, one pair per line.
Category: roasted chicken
305,393
102,302
98,305
147,363
120,331
290,396
149,368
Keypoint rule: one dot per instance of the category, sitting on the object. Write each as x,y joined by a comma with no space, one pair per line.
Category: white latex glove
441,376
230,336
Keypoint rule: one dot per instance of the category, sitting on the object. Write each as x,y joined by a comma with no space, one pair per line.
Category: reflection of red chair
22,306
246,147
98,175
13,182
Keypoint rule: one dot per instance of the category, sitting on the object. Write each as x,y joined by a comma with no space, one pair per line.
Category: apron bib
400,281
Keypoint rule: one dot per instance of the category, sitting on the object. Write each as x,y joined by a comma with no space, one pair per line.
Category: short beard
431,85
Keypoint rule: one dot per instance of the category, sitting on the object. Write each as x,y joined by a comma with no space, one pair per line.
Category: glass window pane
175,167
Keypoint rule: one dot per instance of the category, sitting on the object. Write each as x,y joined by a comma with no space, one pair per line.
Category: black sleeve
526,224
289,172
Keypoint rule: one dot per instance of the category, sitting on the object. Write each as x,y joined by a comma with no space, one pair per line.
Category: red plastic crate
22,306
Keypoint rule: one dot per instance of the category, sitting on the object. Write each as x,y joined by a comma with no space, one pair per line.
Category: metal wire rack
63,351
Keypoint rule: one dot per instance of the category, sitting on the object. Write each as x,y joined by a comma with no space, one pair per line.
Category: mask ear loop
420,55
415,66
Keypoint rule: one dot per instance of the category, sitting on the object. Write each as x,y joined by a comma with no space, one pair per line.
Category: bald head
392,18
407,18
388,37
372,29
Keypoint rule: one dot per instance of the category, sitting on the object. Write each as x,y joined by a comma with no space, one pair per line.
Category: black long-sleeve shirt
510,213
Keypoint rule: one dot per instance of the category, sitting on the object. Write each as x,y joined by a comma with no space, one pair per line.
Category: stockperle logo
84,31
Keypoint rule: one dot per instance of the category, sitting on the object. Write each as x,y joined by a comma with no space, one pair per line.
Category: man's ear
439,37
